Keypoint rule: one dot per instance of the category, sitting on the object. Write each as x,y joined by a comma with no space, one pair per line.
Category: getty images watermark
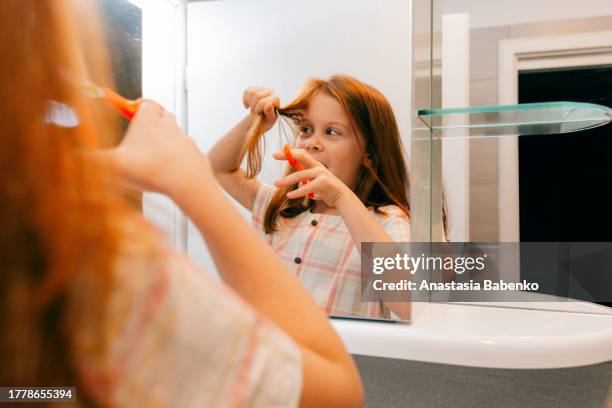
505,272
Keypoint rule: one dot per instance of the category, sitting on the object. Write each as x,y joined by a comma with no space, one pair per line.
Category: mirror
233,45
473,56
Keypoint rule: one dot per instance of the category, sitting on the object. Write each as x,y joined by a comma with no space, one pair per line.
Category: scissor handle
294,164
126,107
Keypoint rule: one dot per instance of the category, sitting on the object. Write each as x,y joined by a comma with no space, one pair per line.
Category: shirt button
298,260
313,223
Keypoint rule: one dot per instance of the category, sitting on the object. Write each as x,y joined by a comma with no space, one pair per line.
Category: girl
352,189
91,295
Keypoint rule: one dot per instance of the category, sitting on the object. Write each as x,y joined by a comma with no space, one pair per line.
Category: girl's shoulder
395,221
263,197
266,190
157,290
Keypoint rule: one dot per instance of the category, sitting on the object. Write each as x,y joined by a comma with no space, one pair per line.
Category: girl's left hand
321,182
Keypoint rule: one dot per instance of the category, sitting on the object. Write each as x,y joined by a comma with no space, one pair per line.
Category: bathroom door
564,183
565,180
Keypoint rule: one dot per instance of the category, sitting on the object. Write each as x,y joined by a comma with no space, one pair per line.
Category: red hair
57,206
382,181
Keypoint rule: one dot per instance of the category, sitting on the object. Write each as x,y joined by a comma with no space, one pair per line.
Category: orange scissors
126,107
297,166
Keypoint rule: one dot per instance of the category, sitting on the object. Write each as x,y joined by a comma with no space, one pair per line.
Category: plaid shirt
178,338
318,248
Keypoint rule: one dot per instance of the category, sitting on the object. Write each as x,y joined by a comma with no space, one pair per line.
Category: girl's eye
332,132
305,129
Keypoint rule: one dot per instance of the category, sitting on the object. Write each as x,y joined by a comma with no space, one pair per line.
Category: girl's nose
311,147
314,145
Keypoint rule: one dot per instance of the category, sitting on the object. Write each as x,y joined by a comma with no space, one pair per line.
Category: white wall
163,61
490,13
233,44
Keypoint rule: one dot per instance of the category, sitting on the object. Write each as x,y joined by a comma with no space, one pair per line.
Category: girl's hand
155,154
262,100
321,182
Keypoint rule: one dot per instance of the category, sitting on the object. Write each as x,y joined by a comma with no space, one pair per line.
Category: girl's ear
367,160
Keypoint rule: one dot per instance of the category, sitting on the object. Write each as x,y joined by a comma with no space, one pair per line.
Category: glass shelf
516,120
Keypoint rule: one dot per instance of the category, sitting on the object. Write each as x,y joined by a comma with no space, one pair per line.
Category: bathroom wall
489,26
484,194
486,13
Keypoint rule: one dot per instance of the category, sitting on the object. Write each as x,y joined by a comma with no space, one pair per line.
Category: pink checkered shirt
318,248
179,338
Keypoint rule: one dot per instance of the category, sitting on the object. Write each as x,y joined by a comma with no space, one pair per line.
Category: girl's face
327,135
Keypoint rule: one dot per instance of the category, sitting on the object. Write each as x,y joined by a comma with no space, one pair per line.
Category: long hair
382,180
56,204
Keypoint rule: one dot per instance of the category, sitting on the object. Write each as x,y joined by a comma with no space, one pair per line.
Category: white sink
485,336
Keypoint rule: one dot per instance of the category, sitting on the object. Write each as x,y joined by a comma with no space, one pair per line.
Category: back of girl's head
56,205
383,180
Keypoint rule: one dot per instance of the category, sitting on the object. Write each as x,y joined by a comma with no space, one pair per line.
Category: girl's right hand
262,100
155,154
